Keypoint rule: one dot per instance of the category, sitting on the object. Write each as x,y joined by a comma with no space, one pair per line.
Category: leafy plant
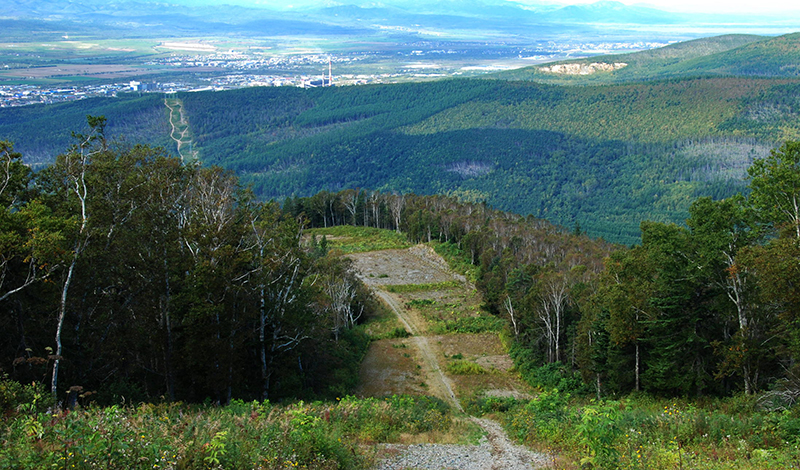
463,367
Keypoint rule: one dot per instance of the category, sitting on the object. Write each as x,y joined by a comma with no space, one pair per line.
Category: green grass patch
381,322
420,303
462,367
350,239
457,259
479,324
408,288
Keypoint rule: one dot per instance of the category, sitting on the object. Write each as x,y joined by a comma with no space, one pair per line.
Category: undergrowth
319,435
643,432
462,367
457,259
407,288
479,324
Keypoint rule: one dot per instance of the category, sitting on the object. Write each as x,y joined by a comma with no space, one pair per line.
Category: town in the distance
196,66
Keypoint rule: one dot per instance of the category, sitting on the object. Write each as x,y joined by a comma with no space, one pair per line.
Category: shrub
462,367
16,397
398,332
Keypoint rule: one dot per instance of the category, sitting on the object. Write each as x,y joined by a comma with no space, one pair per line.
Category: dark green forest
605,157
127,272
124,272
705,308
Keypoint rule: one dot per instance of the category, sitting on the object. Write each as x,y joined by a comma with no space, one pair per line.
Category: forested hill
739,55
605,157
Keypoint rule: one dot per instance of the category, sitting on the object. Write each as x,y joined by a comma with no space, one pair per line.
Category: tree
722,230
627,288
278,269
15,244
775,187
73,167
396,204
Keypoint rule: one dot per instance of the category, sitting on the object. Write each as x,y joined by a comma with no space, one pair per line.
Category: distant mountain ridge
349,17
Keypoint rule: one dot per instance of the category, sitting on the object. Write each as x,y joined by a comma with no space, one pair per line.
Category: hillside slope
730,55
605,157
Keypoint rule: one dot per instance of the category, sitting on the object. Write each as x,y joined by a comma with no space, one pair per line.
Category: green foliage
464,367
643,432
468,324
408,288
599,431
523,147
552,376
350,239
26,398
488,405
398,332
241,435
457,259
195,285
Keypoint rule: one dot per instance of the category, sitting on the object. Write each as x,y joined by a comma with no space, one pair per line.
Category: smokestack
330,72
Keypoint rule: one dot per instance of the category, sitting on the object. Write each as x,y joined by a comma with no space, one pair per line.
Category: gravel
494,452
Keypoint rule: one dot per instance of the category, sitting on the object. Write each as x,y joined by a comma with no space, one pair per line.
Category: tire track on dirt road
442,383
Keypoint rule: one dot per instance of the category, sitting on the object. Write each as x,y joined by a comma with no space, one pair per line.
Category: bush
555,376
486,405
461,367
16,397
398,332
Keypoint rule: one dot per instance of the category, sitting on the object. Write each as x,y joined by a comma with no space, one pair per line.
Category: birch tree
75,166
775,185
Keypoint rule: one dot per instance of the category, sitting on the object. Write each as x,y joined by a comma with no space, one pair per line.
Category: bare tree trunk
351,202
638,365
396,205
76,176
510,310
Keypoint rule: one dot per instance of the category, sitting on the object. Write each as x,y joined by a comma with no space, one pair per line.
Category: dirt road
420,265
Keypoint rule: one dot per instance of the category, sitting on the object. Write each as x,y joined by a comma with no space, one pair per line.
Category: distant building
322,82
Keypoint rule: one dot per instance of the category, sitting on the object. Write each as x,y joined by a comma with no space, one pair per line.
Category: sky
707,6
689,6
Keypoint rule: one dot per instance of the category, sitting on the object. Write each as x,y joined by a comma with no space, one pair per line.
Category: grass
457,259
398,332
382,323
408,288
349,239
481,324
645,432
319,435
454,315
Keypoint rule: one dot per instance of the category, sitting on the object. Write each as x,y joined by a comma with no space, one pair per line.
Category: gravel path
495,452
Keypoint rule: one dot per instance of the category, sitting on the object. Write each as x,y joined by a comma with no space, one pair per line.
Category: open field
105,71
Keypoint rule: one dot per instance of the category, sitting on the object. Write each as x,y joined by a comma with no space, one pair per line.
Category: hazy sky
707,6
